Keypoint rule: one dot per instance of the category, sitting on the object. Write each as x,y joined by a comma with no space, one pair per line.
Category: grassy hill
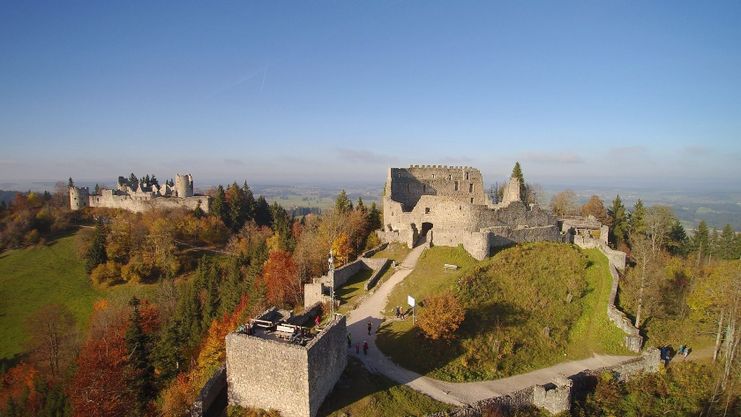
527,307
33,277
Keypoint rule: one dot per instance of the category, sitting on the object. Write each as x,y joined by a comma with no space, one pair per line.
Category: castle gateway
448,206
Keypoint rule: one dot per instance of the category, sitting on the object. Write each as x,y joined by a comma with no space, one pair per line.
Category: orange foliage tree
281,281
17,385
441,316
99,386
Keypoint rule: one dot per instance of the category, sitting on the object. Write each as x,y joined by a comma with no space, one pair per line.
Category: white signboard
410,301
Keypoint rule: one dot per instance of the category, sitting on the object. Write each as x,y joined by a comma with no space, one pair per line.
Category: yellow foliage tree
441,316
341,249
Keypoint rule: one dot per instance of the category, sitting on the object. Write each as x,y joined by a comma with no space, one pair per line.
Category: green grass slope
527,307
33,277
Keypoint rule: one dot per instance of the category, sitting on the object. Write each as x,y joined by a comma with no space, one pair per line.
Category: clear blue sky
337,91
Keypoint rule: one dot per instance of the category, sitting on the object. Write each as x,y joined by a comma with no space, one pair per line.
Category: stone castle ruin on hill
141,196
448,205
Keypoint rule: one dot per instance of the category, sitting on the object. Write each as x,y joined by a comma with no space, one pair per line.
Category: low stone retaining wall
557,397
633,339
373,251
373,280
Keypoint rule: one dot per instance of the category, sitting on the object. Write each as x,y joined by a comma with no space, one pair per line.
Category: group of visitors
357,345
667,353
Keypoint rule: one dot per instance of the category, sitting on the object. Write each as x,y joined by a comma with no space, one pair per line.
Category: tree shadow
355,383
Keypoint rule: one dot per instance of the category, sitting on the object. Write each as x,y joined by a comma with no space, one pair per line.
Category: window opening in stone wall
450,177
427,210
456,186
433,176
470,188
466,175
471,200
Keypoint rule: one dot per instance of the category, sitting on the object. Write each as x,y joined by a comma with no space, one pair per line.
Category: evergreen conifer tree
619,221
96,254
141,379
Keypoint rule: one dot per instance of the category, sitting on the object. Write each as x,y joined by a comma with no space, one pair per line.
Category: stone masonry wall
267,374
556,397
327,359
633,338
407,185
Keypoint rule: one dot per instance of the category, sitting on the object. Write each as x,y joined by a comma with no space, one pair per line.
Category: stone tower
183,185
512,191
78,197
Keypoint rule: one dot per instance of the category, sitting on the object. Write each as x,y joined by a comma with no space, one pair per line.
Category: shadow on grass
360,392
407,345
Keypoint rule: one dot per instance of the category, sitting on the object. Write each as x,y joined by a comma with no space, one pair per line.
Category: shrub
441,316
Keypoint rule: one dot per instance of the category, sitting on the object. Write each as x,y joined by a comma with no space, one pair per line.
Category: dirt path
370,310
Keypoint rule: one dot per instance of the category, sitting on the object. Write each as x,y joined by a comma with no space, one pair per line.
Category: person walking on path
365,347
369,327
349,341
398,312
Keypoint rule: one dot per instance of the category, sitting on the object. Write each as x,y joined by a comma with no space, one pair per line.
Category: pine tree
619,221
141,378
360,206
374,218
701,241
133,181
231,289
727,243
249,201
70,183
517,173
96,254
678,241
262,212
342,203
638,218
218,205
97,189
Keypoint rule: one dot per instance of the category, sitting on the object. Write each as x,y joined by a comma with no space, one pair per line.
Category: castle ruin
276,363
142,197
447,205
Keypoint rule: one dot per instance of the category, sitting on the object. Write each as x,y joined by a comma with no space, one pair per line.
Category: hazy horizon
580,93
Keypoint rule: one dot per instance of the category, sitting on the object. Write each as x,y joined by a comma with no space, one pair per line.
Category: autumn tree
99,387
218,206
281,281
716,301
441,316
701,241
563,203
596,208
659,220
53,336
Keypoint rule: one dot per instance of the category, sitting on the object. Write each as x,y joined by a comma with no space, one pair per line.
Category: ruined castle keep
141,198
276,364
448,206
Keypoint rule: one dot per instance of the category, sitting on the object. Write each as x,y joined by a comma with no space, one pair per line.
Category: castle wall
267,374
289,378
408,185
141,202
327,360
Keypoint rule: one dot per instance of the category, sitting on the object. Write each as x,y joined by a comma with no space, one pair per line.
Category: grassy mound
33,277
528,307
